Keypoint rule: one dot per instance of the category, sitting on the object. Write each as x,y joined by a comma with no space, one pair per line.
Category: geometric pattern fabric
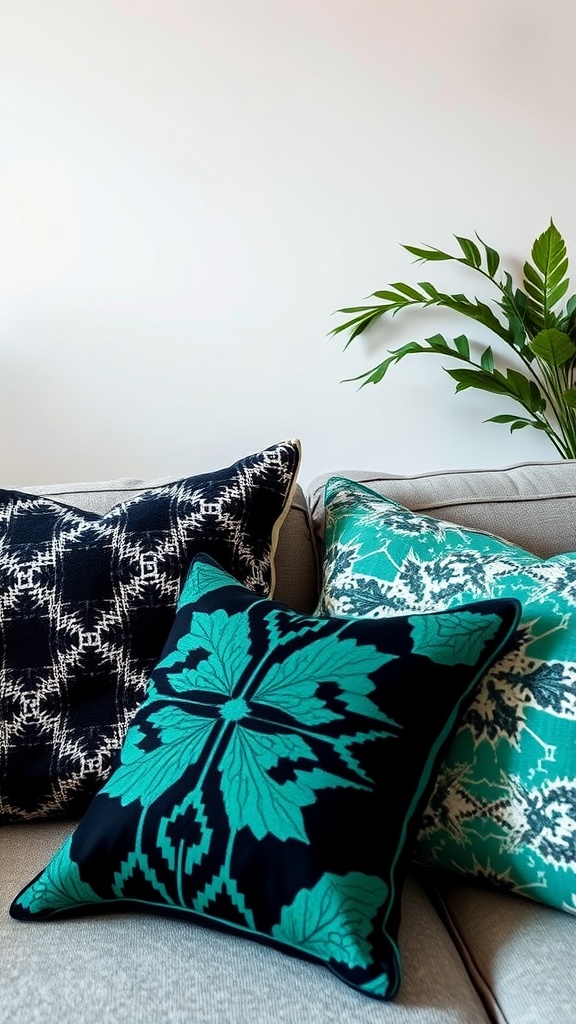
86,604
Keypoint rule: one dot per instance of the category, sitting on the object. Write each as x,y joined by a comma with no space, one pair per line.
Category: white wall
189,189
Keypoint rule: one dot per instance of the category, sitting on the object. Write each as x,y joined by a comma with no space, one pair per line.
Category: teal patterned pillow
270,782
504,805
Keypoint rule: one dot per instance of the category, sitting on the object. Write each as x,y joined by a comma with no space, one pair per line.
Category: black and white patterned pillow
86,604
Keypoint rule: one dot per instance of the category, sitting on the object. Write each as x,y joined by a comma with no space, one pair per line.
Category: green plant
529,320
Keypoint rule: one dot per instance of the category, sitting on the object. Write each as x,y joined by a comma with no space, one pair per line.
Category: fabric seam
480,983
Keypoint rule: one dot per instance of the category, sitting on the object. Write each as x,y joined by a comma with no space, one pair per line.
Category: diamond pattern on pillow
86,604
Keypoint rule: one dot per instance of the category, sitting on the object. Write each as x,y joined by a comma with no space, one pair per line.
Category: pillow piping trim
284,514
434,759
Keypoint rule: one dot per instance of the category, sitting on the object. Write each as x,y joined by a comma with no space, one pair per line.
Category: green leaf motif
452,639
59,886
145,775
332,921
291,685
202,577
183,648
226,641
256,801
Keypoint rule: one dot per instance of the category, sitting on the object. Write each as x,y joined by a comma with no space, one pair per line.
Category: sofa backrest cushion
530,504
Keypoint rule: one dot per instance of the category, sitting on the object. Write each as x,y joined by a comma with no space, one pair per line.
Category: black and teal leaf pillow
86,604
504,806
270,781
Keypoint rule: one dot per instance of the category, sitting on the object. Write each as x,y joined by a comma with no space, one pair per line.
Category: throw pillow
86,604
270,780
504,805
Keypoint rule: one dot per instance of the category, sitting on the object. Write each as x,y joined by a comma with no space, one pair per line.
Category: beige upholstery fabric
532,505
140,969
521,955
295,557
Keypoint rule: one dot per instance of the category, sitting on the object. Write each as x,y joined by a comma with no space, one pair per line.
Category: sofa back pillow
504,805
86,604
295,564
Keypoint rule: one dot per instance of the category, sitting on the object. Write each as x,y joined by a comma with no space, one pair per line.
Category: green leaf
487,360
569,397
553,347
516,423
462,345
430,289
492,257
145,774
548,250
480,379
254,800
503,418
59,887
429,254
470,250
452,639
408,291
545,281
334,919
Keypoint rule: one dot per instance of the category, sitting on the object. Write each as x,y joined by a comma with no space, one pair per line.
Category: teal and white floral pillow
504,805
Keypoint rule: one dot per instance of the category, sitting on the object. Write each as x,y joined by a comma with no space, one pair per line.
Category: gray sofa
470,955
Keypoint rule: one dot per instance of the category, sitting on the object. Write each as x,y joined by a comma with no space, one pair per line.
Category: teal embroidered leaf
183,648
453,639
379,986
59,886
333,920
291,685
253,799
202,579
143,774
226,640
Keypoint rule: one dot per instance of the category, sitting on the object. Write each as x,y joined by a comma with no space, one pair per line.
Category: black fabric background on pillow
86,604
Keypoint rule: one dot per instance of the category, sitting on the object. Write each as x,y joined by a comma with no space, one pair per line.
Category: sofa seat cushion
134,969
520,955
